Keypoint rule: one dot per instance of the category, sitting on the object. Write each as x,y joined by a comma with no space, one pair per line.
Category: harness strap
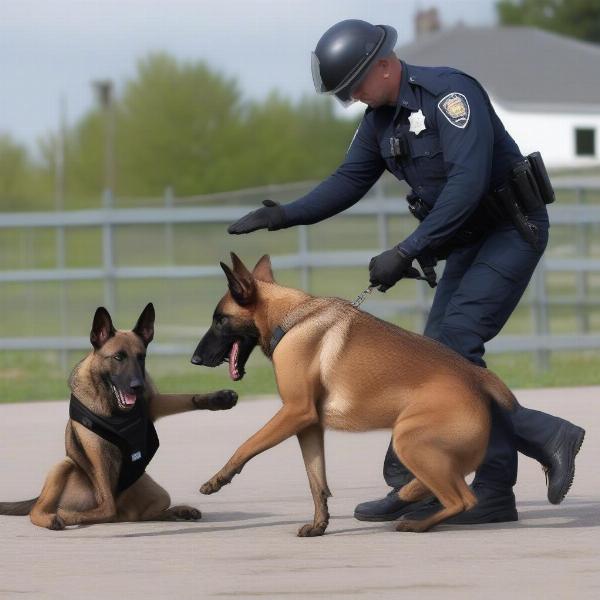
133,433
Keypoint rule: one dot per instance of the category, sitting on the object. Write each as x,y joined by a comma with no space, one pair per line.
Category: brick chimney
427,21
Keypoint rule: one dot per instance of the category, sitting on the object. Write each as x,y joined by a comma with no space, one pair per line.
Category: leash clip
363,296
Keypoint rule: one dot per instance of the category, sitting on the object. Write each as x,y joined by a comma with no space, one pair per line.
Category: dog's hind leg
413,491
146,500
313,452
43,513
439,472
99,479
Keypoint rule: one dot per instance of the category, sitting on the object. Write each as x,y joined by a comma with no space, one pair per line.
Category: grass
184,306
25,376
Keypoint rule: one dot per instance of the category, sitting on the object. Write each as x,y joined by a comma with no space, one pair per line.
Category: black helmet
344,54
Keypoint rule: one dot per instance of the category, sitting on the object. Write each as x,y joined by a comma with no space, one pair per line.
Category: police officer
436,129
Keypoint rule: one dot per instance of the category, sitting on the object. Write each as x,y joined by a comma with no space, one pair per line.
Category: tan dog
98,482
339,367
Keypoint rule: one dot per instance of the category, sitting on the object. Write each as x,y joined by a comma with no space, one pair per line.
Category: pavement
245,545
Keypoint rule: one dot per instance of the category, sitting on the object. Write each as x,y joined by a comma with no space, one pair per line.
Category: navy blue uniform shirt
458,150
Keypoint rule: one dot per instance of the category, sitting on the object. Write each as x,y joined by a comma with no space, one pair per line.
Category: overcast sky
50,48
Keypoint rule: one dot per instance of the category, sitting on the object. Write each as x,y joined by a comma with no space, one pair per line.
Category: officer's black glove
389,267
270,217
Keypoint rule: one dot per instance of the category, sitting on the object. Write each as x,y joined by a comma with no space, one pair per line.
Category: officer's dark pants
481,286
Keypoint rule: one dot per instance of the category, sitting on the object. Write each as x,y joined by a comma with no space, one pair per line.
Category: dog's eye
119,357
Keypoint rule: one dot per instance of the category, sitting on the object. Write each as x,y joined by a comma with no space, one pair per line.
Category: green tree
23,184
184,125
176,120
575,18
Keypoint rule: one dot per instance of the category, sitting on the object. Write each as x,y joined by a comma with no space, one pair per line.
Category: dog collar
278,333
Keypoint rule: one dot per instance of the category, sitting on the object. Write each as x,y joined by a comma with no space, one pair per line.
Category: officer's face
374,90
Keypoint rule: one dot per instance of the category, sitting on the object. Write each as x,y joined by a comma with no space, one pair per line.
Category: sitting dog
339,367
110,436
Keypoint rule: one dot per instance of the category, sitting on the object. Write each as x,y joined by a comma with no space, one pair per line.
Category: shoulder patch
455,107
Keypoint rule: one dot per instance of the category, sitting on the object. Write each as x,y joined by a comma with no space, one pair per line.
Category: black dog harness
132,432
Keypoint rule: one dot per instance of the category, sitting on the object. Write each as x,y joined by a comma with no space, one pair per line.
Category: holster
506,199
527,189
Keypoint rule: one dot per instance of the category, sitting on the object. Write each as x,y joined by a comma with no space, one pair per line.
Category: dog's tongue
129,398
233,356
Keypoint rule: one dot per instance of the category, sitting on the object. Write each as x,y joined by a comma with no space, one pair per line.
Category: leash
429,277
363,296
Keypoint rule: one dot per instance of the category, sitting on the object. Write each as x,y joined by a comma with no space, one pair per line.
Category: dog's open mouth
124,399
214,350
236,371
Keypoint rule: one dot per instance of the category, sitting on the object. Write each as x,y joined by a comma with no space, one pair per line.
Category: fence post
382,219
108,252
581,277
169,244
61,263
303,255
540,314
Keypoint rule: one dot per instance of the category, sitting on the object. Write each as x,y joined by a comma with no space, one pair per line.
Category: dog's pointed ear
263,270
239,268
144,328
241,285
102,328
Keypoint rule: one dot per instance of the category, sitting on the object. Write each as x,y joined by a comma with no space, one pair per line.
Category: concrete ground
245,546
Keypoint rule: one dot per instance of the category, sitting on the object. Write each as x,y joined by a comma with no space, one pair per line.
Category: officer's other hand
427,264
270,217
389,267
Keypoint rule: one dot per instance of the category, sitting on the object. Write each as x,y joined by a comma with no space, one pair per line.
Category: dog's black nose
196,360
136,384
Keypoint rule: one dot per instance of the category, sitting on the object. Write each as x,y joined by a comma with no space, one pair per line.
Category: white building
544,87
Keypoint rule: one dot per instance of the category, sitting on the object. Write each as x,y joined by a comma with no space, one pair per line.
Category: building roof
519,66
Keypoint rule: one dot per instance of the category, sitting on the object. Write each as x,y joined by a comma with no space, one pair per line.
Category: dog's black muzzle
212,350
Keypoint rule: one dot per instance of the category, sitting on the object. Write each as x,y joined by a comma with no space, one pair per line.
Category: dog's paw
411,526
56,524
223,400
312,530
187,513
210,487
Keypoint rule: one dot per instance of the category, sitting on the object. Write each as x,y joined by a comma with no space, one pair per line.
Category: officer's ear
385,67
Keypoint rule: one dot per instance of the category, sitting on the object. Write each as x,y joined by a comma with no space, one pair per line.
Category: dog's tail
17,509
498,390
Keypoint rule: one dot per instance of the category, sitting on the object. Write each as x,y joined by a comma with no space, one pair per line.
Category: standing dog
110,437
339,367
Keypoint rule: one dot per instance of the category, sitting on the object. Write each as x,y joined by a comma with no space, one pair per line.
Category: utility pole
104,92
59,204
105,96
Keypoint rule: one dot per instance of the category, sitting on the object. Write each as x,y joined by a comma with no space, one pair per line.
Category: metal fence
578,214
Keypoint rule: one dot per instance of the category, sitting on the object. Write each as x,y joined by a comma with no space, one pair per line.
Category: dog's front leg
288,421
162,405
99,474
313,452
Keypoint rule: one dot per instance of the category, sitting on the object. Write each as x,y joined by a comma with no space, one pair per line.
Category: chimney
427,21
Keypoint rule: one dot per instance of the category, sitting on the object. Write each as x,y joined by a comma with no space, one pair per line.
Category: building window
585,142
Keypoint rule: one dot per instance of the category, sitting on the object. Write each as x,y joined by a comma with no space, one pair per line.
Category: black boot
493,506
559,463
553,442
388,508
